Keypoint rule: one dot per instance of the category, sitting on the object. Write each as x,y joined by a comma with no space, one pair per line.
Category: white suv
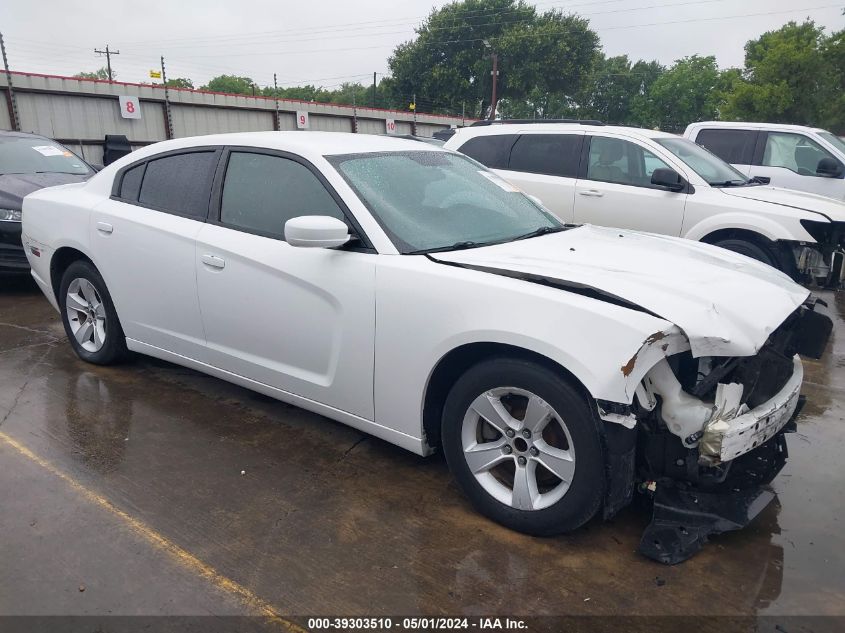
791,156
662,183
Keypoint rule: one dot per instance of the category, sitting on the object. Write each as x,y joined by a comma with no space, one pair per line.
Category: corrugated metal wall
81,112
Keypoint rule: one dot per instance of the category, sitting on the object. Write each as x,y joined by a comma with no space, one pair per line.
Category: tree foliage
232,84
542,56
786,78
100,73
180,82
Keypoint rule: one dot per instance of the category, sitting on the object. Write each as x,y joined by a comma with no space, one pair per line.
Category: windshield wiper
543,230
736,182
457,246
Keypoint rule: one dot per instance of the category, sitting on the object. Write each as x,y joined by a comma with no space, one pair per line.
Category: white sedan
411,293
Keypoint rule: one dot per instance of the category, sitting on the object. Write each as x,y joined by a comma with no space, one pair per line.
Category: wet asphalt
147,489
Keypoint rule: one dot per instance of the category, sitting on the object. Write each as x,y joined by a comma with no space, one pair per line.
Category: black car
29,162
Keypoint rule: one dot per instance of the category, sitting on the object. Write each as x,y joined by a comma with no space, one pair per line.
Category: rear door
616,188
546,165
301,320
541,164
144,237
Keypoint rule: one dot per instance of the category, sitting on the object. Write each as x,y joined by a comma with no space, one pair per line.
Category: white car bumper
724,440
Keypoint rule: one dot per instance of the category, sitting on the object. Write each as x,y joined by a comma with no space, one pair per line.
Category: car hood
726,304
832,208
13,187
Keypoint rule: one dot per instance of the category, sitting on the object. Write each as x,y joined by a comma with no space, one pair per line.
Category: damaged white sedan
411,293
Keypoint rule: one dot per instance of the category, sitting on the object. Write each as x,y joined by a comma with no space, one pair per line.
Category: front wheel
750,249
89,317
524,446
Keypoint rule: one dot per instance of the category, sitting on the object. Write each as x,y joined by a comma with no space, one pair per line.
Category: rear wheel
89,317
524,446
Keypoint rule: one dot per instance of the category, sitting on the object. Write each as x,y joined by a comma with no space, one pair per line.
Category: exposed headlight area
10,215
823,262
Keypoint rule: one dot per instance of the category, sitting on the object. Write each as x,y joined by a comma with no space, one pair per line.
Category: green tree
833,106
543,58
180,82
617,90
785,79
688,91
231,84
100,73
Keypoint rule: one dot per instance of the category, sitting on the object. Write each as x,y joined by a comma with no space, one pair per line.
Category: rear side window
490,151
732,146
130,186
179,184
551,154
262,192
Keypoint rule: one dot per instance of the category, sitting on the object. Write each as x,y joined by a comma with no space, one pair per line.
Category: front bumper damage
709,435
822,263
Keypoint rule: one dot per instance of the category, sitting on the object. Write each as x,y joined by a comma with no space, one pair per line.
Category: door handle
213,261
104,227
591,193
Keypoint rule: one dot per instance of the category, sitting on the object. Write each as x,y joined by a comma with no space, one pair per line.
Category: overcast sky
326,42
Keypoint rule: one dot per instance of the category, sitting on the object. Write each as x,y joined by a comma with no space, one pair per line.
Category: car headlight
10,215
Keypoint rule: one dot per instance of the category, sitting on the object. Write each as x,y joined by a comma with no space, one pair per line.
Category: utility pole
13,104
354,112
414,108
108,55
374,90
494,98
168,117
276,102
463,113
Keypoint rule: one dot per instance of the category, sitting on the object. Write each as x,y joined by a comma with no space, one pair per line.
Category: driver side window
794,152
622,162
261,192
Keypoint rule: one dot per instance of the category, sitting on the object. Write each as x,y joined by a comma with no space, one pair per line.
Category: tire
89,317
568,444
750,249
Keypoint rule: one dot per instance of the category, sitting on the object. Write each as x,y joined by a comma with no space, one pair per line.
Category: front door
298,319
617,189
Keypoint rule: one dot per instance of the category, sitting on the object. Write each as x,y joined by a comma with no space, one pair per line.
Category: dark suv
29,162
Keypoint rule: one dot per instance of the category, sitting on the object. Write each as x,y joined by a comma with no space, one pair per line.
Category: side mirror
829,167
668,178
316,231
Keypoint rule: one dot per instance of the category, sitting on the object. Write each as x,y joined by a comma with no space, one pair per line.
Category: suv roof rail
530,121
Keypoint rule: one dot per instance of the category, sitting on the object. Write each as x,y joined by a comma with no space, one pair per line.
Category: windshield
834,140
29,155
429,200
713,169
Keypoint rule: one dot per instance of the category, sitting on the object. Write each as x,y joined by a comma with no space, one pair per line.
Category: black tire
751,249
113,349
586,491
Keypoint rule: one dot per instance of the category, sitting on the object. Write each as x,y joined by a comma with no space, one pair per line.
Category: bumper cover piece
685,517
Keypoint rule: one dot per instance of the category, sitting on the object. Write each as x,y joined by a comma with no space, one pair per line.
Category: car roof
305,143
787,127
523,128
13,134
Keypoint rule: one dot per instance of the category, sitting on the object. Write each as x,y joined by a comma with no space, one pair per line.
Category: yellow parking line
181,556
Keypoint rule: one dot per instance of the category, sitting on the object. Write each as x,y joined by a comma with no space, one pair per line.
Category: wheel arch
779,249
63,257
460,359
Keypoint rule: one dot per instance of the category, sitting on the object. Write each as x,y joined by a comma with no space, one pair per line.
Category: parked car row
661,183
410,292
